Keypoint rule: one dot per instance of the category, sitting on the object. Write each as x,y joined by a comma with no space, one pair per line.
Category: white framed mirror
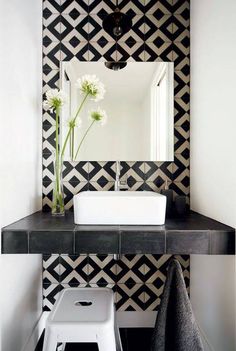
139,103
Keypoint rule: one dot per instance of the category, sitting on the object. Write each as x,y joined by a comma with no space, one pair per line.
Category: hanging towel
176,328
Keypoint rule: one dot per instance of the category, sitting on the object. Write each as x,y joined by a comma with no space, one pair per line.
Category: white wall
213,160
20,162
20,298
212,292
124,133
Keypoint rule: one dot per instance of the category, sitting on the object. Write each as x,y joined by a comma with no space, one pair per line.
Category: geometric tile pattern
160,32
79,176
137,280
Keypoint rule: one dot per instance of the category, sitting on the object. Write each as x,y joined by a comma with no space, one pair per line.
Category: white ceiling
129,83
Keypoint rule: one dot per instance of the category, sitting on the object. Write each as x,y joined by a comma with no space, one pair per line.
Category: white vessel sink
119,207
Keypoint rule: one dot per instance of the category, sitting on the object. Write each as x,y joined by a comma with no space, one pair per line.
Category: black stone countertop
192,234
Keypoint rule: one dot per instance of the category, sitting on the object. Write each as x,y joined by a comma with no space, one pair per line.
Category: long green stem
70,128
57,151
85,134
73,143
70,142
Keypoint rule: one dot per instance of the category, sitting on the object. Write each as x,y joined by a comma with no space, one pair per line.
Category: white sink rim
106,193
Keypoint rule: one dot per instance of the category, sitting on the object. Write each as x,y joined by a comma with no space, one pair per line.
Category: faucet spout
118,184
117,169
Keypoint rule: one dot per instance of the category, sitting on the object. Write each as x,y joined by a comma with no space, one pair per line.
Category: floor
133,339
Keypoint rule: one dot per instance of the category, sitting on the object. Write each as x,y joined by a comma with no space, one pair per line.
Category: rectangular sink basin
119,207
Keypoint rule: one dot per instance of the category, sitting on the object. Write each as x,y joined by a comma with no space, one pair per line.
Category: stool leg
107,342
118,339
50,342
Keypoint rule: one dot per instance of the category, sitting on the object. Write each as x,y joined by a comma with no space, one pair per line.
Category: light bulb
117,31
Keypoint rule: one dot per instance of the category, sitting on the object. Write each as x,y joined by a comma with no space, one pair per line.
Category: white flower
91,85
98,115
54,99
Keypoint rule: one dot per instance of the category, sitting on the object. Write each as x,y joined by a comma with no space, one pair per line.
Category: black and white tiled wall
73,28
137,280
79,176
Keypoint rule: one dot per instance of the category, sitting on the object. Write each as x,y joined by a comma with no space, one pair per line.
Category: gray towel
176,328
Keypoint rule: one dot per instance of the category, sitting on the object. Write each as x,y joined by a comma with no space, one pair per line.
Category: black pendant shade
115,65
117,23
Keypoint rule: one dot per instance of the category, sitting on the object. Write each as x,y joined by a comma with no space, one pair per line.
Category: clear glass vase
58,207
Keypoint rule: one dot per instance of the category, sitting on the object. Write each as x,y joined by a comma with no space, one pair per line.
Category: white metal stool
83,315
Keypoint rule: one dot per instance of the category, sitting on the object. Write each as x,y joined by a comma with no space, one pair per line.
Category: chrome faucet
118,183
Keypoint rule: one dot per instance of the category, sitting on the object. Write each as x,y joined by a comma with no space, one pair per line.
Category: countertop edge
175,237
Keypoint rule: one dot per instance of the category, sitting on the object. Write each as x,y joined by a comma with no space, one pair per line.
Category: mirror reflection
139,108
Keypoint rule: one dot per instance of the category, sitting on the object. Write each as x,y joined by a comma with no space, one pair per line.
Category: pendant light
116,24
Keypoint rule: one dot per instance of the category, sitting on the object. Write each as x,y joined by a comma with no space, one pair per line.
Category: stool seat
84,305
83,315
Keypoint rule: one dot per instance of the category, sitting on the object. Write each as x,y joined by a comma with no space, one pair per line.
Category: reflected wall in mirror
139,104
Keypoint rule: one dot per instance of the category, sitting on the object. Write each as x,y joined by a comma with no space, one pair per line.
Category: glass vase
58,207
